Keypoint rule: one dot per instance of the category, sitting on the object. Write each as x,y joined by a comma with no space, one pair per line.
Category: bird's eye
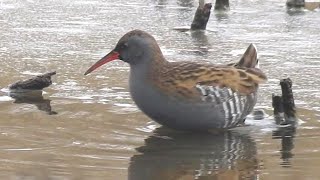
124,46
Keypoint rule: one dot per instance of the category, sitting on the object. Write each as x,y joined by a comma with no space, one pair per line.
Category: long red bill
113,55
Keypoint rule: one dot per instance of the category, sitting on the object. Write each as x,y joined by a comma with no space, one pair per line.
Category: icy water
87,127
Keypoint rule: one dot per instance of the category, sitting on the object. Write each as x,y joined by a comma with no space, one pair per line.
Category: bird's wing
185,79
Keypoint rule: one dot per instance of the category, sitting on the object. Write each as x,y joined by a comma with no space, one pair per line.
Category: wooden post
221,5
284,114
284,107
201,16
295,3
287,98
278,111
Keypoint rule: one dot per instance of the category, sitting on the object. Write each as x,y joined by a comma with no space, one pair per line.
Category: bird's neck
153,63
141,81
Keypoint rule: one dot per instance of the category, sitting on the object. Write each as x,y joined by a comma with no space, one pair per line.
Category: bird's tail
249,58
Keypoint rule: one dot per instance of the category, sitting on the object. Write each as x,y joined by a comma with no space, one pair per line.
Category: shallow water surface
87,127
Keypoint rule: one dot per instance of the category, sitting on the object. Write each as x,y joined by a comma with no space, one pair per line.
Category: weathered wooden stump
299,4
278,111
201,16
222,5
295,3
36,83
287,98
285,114
284,107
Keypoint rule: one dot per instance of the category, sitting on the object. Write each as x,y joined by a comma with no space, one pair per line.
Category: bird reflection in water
33,97
175,156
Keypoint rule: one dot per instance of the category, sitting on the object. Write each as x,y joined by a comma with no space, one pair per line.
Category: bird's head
135,47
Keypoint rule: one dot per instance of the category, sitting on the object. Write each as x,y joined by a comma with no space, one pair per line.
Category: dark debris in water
30,91
36,83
